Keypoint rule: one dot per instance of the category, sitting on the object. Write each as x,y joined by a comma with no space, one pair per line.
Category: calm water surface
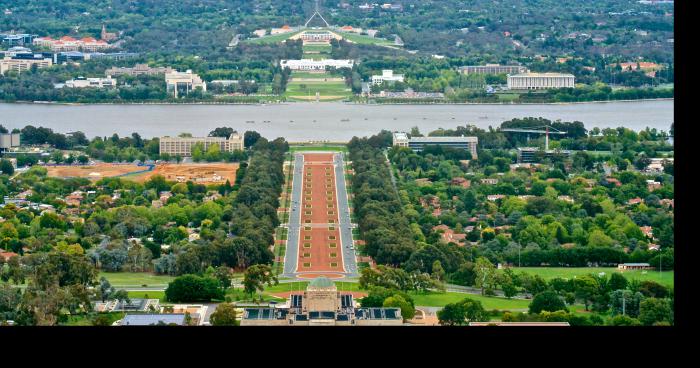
320,121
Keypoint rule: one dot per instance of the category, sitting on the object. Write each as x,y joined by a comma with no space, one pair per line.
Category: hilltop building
321,305
419,143
182,146
179,82
67,43
492,69
540,81
107,36
387,76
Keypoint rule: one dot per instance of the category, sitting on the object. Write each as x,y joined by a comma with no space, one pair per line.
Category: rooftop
153,319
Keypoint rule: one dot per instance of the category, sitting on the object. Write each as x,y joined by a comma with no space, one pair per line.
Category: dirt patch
209,173
96,172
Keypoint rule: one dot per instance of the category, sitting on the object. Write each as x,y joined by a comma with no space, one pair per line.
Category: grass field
548,273
365,40
271,38
309,88
317,48
84,320
160,295
122,279
436,299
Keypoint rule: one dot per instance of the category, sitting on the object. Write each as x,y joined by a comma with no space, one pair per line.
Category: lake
320,121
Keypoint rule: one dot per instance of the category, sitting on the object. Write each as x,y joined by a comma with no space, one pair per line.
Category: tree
255,278
617,282
6,167
407,309
626,302
653,311
438,271
508,283
623,320
224,315
485,274
548,301
193,288
467,310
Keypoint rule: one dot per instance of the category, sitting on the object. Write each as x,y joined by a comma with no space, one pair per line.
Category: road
292,249
349,257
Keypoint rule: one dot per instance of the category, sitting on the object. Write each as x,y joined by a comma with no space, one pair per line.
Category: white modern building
470,144
183,82
492,69
316,65
182,146
82,82
387,76
540,81
9,140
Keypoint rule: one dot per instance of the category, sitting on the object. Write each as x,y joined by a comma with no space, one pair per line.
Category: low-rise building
401,139
21,65
493,69
182,146
179,83
634,266
316,65
154,320
540,81
387,76
138,69
321,305
82,82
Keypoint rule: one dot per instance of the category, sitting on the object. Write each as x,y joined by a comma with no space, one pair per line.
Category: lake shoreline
211,103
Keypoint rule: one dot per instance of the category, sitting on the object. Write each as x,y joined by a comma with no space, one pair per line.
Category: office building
82,82
534,155
179,83
540,81
138,69
316,65
16,39
419,143
67,43
387,76
321,305
182,146
9,140
20,65
492,69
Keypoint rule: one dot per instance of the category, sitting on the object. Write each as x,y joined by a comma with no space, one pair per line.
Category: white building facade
316,65
81,82
540,81
178,83
22,65
387,76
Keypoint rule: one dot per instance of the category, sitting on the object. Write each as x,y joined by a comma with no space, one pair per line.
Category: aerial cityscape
337,163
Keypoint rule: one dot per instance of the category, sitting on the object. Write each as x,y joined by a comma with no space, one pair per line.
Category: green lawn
160,295
364,39
436,299
84,320
271,38
664,278
507,97
309,88
135,279
301,286
317,48
322,147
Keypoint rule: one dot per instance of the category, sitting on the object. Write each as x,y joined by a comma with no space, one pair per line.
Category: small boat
250,121
365,118
483,117
344,119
